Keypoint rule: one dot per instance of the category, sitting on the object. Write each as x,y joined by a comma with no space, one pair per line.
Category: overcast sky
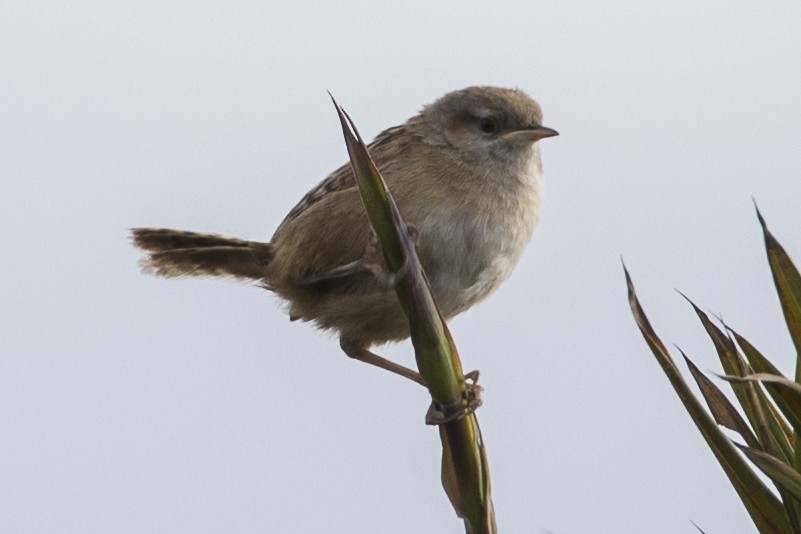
133,404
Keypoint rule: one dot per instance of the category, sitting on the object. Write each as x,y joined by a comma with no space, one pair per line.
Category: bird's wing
341,179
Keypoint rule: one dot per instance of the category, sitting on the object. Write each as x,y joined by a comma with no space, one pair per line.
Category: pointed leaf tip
629,282
759,214
770,241
679,291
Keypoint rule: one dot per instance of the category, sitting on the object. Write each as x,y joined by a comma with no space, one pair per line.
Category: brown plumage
173,253
465,174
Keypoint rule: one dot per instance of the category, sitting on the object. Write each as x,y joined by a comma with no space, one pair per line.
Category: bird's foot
439,414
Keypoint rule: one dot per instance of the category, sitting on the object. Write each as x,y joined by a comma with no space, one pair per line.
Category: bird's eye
487,125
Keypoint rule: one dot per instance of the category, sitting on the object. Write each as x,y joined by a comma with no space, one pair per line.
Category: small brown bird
466,175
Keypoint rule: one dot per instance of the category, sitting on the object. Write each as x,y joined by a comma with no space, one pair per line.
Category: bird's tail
173,253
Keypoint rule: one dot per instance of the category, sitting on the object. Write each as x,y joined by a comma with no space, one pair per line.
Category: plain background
132,404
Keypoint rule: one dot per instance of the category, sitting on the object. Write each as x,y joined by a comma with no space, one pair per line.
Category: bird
466,175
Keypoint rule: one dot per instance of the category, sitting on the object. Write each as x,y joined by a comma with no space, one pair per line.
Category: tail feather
173,253
158,239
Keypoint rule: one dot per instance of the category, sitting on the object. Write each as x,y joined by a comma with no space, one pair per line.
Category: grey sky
131,404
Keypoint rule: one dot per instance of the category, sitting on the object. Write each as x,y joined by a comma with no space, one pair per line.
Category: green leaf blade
762,505
465,472
787,280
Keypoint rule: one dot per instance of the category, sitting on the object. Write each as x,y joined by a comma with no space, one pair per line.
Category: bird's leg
437,413
363,355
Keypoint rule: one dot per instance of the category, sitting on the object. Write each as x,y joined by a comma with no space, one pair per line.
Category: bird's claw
439,414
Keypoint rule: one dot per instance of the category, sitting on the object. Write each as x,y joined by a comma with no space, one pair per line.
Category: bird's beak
535,132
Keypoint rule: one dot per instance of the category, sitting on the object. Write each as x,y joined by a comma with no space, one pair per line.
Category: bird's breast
469,249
